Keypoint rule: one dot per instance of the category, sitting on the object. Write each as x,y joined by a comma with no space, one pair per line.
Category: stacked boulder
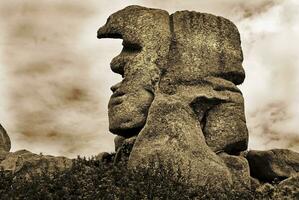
179,104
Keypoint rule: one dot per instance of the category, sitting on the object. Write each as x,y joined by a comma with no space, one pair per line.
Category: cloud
228,8
49,90
270,43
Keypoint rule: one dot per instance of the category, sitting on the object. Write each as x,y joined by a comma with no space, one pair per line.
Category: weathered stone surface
205,63
204,45
146,36
225,128
5,144
118,141
124,150
266,190
3,155
239,169
292,181
198,56
255,183
27,163
172,137
289,188
180,74
104,157
273,164
285,190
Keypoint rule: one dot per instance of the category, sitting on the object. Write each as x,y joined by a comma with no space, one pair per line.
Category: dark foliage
93,179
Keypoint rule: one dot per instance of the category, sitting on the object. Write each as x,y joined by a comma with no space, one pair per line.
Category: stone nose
115,87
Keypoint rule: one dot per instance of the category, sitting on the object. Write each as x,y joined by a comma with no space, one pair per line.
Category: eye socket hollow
131,47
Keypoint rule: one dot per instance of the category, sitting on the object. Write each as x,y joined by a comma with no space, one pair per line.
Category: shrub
93,179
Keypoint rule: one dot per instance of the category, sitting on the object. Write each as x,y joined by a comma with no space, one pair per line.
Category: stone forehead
198,44
138,25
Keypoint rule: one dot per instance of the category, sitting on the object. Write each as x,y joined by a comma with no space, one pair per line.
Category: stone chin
128,113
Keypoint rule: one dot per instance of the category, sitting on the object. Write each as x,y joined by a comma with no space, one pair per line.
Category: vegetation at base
94,179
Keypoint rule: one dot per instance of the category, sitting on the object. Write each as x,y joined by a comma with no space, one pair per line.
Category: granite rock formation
178,103
5,144
289,188
178,107
179,93
145,48
26,163
275,164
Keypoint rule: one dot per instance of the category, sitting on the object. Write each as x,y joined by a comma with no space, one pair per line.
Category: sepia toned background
55,74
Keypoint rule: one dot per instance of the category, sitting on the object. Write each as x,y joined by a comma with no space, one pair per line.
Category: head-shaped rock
146,35
180,75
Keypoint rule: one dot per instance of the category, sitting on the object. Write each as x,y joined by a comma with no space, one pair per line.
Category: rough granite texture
275,164
178,107
29,164
289,188
146,37
179,93
5,144
240,171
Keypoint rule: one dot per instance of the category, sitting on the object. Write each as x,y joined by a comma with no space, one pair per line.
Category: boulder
196,56
5,144
3,154
275,164
29,164
265,191
239,169
124,150
225,128
204,67
104,157
292,181
118,141
173,140
288,188
179,94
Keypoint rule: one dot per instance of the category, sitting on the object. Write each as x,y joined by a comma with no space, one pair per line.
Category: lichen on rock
178,104
5,143
178,116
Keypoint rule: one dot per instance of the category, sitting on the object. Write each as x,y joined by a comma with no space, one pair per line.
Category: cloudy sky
55,74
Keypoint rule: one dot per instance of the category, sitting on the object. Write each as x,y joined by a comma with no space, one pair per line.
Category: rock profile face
146,37
178,116
178,94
